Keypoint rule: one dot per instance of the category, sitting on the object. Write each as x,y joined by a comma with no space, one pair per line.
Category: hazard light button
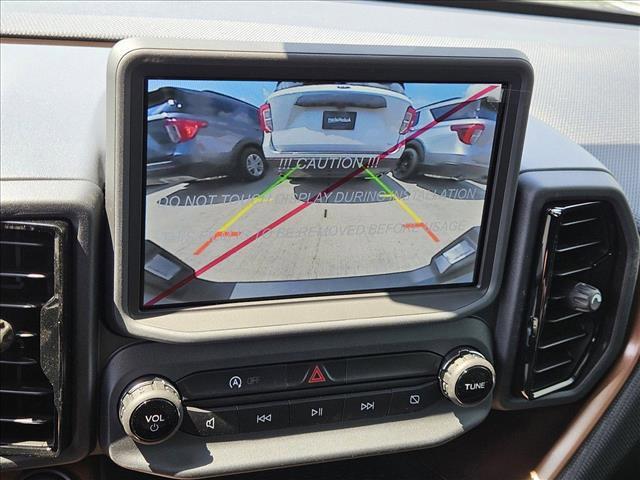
316,374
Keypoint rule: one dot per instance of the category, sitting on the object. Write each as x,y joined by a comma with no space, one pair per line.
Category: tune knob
466,377
584,298
150,410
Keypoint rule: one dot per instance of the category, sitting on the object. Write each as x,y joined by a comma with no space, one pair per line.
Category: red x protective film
269,189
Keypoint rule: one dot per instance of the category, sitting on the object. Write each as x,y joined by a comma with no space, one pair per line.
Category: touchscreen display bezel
135,61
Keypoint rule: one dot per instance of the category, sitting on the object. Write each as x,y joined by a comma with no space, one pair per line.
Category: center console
219,408
310,247
327,392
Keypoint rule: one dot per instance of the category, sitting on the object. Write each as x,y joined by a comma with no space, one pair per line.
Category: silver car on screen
459,145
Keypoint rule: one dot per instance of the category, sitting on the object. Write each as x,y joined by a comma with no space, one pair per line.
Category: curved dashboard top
574,72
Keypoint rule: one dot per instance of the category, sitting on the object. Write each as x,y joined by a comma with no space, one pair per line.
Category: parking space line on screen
276,223
402,204
244,210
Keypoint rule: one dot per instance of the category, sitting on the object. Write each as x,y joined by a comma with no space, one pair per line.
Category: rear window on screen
270,189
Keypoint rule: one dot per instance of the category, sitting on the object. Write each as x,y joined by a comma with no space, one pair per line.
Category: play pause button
313,412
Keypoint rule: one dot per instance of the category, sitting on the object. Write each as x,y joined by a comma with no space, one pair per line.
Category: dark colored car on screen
198,134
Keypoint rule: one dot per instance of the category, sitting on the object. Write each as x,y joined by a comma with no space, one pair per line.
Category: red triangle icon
317,376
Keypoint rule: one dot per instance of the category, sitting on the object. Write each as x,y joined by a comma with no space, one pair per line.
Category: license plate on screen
338,120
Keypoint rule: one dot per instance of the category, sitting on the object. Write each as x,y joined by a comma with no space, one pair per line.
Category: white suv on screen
331,129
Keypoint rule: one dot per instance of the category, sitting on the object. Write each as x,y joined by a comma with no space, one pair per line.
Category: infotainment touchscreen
268,189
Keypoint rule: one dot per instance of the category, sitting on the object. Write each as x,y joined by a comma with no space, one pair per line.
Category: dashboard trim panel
134,60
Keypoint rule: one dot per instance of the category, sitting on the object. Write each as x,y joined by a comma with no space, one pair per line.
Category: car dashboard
333,251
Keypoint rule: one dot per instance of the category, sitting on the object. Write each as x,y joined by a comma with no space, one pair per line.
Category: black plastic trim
535,190
80,204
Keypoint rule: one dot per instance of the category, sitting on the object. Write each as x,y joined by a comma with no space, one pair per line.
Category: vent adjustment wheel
584,298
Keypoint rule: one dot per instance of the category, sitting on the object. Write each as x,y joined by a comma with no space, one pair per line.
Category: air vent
31,284
574,278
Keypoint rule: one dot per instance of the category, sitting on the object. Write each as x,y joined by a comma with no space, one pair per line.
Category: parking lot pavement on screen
359,229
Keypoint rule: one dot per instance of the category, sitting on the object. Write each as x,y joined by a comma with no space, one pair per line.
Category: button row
230,382
312,411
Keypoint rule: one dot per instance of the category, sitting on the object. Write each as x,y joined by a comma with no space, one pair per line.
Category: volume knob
466,377
150,410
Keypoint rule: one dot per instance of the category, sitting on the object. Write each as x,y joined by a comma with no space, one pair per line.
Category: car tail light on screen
408,121
183,129
468,133
264,117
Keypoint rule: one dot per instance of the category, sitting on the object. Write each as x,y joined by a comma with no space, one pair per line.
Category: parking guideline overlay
244,210
402,205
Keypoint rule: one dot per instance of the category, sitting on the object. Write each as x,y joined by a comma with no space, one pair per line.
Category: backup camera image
270,189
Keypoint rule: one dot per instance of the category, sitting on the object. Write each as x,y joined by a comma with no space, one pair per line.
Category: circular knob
6,335
466,377
584,298
150,410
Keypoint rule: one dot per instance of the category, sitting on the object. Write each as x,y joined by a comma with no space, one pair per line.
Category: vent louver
31,282
573,280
